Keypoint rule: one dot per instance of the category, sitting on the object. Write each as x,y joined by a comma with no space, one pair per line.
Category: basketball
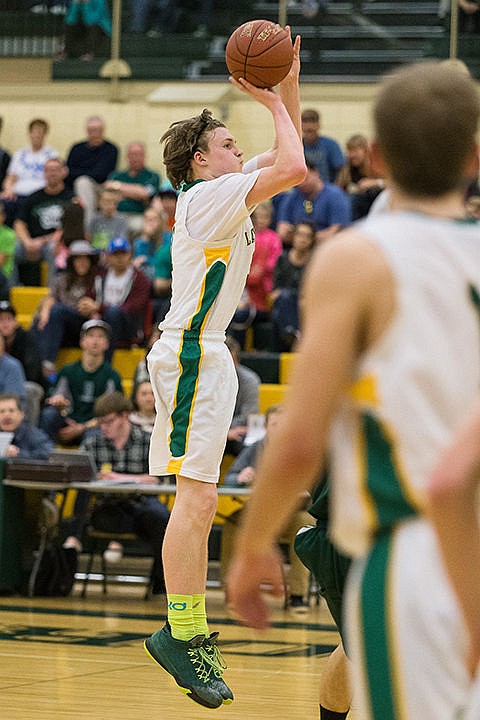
261,52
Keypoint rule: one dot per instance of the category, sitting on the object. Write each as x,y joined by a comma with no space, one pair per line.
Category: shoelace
201,663
215,656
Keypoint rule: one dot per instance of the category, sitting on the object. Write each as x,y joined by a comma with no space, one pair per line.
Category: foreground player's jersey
212,247
416,384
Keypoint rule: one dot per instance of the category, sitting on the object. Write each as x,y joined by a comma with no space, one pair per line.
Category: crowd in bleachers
95,239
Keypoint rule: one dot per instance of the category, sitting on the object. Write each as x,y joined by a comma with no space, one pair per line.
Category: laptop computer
81,465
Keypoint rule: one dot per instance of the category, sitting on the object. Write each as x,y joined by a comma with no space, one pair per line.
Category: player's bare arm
453,494
337,326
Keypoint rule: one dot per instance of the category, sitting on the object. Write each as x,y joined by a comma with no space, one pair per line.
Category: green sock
200,615
180,616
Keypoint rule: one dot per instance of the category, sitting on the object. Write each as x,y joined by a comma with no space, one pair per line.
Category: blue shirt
330,207
12,376
32,442
327,157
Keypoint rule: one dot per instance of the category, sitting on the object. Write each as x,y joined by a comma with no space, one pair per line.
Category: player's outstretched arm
453,496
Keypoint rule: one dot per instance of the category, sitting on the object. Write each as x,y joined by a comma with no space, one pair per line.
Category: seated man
12,376
22,345
121,451
241,473
68,412
28,441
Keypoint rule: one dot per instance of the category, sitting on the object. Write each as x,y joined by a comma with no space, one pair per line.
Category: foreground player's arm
453,495
342,316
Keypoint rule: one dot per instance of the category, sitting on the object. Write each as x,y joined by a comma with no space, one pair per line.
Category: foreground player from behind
192,372
390,358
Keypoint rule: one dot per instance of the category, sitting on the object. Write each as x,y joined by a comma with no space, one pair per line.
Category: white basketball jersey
212,247
416,384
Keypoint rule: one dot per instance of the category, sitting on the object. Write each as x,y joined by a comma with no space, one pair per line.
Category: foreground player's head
181,142
426,118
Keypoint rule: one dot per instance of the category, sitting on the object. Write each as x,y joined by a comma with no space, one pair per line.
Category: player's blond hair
182,140
426,119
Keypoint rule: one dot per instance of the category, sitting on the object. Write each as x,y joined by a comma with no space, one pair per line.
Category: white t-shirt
28,166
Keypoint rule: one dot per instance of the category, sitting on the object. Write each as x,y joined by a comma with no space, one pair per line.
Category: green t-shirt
162,261
150,180
7,247
83,387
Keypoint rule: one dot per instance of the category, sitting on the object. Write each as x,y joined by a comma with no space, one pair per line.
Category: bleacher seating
350,41
26,300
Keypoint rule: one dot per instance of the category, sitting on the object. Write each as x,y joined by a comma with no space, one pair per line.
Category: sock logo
195,605
177,605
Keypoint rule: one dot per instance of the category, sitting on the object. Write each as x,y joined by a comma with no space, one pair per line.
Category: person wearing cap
62,313
23,345
68,412
122,296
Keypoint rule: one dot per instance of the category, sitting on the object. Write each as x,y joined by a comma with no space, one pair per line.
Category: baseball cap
119,244
81,247
90,324
6,306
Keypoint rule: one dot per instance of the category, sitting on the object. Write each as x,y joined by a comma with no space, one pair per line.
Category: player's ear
199,157
376,159
472,167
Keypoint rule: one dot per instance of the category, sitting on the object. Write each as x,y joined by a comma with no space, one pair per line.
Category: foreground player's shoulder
352,259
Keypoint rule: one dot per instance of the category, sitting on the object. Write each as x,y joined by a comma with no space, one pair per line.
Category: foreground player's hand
244,594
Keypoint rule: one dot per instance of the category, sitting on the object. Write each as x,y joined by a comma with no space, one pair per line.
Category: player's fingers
296,45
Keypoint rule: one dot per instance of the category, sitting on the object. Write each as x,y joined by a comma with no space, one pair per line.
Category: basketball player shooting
191,368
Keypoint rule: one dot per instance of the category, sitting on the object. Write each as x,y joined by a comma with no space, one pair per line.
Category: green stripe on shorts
190,358
374,619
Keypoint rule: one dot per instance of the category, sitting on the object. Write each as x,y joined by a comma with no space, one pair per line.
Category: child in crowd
107,223
153,238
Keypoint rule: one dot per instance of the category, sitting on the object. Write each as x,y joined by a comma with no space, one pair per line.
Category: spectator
153,17
357,178
90,162
324,152
165,202
7,254
68,412
28,441
137,185
122,296
25,173
72,228
287,278
313,201
124,449
153,255
87,29
62,313
143,402
242,473
39,224
4,159
247,401
23,346
268,247
12,376
106,223
153,236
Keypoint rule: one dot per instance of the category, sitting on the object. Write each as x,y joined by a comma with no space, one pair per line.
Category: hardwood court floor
68,659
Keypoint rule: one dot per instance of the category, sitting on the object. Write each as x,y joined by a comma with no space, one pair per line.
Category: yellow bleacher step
25,300
271,394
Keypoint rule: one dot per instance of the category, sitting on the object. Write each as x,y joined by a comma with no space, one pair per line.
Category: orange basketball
259,51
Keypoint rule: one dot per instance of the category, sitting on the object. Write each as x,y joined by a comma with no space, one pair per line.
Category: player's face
223,155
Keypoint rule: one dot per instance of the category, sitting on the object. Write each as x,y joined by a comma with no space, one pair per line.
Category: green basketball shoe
188,662
218,666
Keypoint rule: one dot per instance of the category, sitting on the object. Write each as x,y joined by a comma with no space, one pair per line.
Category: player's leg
182,647
335,694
